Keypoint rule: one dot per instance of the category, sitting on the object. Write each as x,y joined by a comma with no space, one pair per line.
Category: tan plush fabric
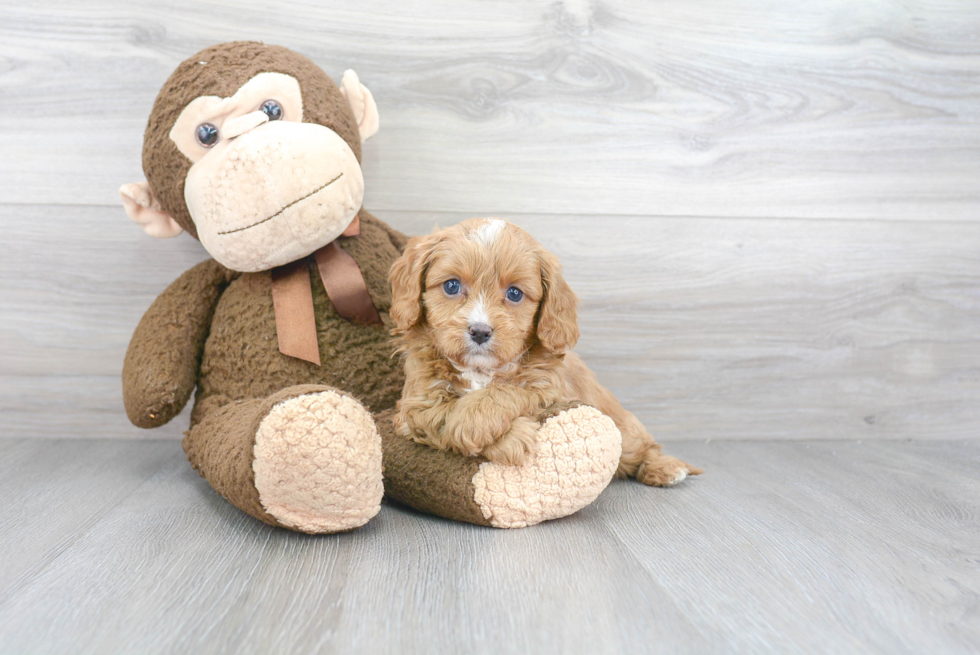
236,115
577,454
274,196
318,463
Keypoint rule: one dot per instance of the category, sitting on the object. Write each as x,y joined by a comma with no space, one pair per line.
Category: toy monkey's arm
161,366
578,450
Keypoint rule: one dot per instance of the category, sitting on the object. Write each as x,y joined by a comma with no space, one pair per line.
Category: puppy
485,321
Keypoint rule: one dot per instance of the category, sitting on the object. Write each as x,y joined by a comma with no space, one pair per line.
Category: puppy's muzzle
480,333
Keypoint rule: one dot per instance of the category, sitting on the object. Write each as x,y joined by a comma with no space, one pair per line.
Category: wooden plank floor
781,547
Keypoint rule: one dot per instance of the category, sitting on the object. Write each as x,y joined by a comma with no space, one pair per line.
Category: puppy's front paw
516,445
474,424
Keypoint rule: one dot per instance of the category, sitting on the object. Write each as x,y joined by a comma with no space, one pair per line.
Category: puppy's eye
451,287
207,134
514,294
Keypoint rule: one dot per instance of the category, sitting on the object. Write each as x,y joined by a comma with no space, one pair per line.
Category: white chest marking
476,379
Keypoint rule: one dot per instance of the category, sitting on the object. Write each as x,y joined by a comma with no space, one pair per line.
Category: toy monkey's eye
451,287
272,109
207,134
514,294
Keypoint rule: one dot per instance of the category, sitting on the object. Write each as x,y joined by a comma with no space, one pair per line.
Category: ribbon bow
292,297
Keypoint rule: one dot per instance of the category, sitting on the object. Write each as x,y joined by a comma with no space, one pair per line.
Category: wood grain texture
55,491
716,108
759,329
770,212
705,328
779,548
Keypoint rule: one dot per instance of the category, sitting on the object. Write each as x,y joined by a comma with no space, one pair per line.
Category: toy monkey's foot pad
577,454
318,463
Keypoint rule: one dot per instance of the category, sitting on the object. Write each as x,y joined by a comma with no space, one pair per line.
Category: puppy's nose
480,333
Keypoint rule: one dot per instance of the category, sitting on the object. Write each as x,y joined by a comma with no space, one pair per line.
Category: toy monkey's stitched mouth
266,220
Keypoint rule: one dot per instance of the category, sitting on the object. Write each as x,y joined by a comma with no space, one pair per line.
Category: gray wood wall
769,209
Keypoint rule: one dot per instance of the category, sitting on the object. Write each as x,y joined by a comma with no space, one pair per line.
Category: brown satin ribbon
345,285
354,228
292,297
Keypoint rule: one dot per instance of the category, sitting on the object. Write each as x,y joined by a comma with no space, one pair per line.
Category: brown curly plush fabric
217,329
241,357
433,481
162,361
427,479
221,70
230,320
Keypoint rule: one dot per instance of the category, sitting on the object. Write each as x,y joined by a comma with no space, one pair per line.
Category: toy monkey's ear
362,102
145,211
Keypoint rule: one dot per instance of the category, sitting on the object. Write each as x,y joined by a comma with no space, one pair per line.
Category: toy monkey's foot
307,458
318,463
576,456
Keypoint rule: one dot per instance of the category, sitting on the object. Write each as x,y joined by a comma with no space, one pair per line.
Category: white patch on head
478,315
487,233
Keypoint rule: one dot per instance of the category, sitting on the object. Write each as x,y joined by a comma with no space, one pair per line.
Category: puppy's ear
557,324
407,277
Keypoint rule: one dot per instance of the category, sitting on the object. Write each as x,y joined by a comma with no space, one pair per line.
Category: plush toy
253,150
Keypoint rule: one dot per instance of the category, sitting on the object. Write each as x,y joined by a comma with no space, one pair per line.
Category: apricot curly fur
480,398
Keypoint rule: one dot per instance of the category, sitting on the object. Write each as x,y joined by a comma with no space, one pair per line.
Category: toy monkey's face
255,151
265,188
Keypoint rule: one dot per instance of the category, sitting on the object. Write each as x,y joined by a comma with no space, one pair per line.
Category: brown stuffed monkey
255,151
